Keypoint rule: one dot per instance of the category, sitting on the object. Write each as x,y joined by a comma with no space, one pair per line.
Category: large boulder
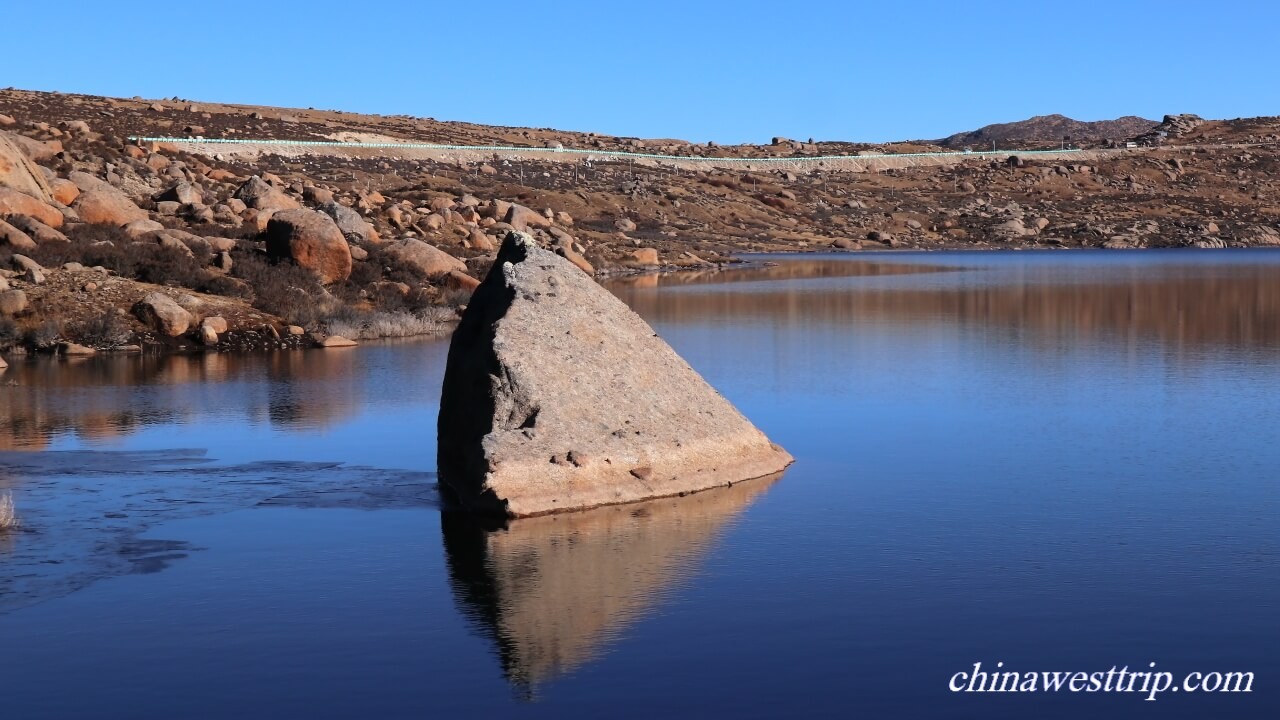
312,240
558,397
354,227
258,194
183,193
18,172
64,191
424,258
13,202
107,207
14,238
12,302
37,230
522,218
163,314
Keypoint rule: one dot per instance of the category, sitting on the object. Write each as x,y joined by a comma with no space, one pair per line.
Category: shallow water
1058,461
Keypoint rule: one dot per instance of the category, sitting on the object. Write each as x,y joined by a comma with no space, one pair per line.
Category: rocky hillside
291,246
1048,131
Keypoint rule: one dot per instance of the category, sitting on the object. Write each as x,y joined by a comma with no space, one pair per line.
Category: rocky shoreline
326,246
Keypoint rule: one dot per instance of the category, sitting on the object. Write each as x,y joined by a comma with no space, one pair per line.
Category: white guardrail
605,154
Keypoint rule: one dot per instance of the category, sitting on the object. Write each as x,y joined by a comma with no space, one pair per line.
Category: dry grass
8,517
374,325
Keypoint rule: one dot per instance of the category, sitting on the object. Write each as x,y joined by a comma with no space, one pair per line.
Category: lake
1051,460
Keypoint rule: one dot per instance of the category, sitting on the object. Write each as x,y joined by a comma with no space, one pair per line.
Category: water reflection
1221,300
104,398
553,592
784,268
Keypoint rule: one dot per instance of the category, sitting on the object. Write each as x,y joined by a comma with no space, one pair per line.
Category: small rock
163,314
12,302
216,322
645,256
29,268
335,341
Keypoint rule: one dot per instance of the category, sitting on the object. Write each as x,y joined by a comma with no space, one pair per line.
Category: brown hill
1048,130
208,209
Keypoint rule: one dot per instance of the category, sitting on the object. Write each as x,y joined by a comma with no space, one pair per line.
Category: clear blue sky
727,71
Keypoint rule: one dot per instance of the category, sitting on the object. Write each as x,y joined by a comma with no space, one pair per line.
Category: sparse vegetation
9,333
358,325
108,329
46,334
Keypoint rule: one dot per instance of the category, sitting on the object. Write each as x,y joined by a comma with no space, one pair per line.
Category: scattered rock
64,191
13,202
257,194
646,256
1259,235
461,281
335,341
547,364
184,193
139,229
37,230
107,207
30,269
522,218
428,260
353,227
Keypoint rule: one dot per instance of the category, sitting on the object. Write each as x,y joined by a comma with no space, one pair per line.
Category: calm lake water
1058,461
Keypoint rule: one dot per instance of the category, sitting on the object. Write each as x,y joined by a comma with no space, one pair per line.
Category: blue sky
730,72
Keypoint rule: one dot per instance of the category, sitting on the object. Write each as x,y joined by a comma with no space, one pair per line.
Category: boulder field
558,397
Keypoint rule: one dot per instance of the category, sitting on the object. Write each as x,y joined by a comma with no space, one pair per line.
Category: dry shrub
108,329
358,325
109,247
282,288
47,334
9,333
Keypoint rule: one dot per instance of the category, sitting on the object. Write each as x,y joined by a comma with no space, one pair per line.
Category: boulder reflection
553,592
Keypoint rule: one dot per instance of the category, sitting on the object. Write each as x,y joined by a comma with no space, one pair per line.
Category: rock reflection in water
104,398
553,592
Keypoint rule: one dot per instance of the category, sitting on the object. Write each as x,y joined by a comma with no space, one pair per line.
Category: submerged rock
558,397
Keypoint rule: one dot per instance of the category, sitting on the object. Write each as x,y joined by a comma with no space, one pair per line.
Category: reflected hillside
1228,306
784,268
106,397
553,592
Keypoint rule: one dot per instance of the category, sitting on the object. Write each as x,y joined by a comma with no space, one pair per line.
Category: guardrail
607,154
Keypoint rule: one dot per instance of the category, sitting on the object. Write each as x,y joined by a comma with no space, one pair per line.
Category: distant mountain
1048,130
